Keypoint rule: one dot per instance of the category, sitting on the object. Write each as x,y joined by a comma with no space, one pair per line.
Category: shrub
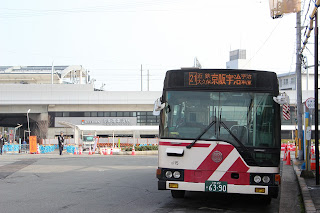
141,148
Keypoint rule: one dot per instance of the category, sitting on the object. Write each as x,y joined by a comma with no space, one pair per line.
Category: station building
48,100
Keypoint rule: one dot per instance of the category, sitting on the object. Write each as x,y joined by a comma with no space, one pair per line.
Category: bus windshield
240,118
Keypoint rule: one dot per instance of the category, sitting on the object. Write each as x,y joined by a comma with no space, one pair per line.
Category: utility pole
299,95
316,86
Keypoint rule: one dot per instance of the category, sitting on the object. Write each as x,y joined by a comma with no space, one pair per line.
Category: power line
110,8
263,43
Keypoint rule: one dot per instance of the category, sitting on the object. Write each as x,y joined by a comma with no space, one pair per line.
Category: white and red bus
219,132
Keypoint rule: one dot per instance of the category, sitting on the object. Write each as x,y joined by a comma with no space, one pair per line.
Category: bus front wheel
177,193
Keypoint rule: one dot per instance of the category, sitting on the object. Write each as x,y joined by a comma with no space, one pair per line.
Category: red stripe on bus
184,144
241,169
208,166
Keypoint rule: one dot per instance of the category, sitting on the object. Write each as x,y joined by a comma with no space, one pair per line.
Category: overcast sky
112,38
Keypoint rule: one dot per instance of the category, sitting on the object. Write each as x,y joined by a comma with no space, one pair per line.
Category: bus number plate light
173,185
260,190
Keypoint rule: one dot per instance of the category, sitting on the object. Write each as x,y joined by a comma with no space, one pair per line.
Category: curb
136,153
307,200
150,152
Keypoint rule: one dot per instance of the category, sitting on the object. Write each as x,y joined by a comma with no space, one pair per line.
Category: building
287,81
237,59
44,75
287,84
60,98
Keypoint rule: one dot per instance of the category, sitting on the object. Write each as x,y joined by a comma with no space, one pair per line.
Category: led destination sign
218,79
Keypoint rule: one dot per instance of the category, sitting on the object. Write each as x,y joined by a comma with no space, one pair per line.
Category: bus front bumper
231,188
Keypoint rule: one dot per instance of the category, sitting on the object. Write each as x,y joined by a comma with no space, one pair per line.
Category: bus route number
216,186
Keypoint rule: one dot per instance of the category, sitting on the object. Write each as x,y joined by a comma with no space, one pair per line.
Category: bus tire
177,193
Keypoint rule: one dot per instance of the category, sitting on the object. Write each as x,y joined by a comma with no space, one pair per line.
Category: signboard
308,133
280,7
310,103
33,144
107,121
11,134
219,79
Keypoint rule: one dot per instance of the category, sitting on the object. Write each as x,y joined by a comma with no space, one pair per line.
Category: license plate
216,186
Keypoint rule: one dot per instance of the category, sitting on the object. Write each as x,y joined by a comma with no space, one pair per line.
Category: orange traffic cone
285,154
90,152
288,159
75,151
80,150
313,162
111,152
133,151
38,149
105,151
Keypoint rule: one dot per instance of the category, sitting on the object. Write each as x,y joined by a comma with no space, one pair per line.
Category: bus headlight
266,179
168,174
176,174
257,179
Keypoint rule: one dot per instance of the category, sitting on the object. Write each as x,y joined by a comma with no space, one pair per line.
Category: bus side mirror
158,106
281,99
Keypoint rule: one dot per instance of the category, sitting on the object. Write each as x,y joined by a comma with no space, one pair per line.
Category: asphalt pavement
296,193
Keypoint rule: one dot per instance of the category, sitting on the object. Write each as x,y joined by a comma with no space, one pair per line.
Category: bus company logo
90,122
217,156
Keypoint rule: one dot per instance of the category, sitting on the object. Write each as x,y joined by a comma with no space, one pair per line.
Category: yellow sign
33,144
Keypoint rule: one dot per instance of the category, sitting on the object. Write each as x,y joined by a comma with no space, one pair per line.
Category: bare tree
42,128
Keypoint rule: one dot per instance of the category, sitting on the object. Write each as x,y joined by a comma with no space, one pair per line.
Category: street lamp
28,122
15,131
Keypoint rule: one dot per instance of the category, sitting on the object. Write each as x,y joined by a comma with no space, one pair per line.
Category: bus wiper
245,149
233,136
202,133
